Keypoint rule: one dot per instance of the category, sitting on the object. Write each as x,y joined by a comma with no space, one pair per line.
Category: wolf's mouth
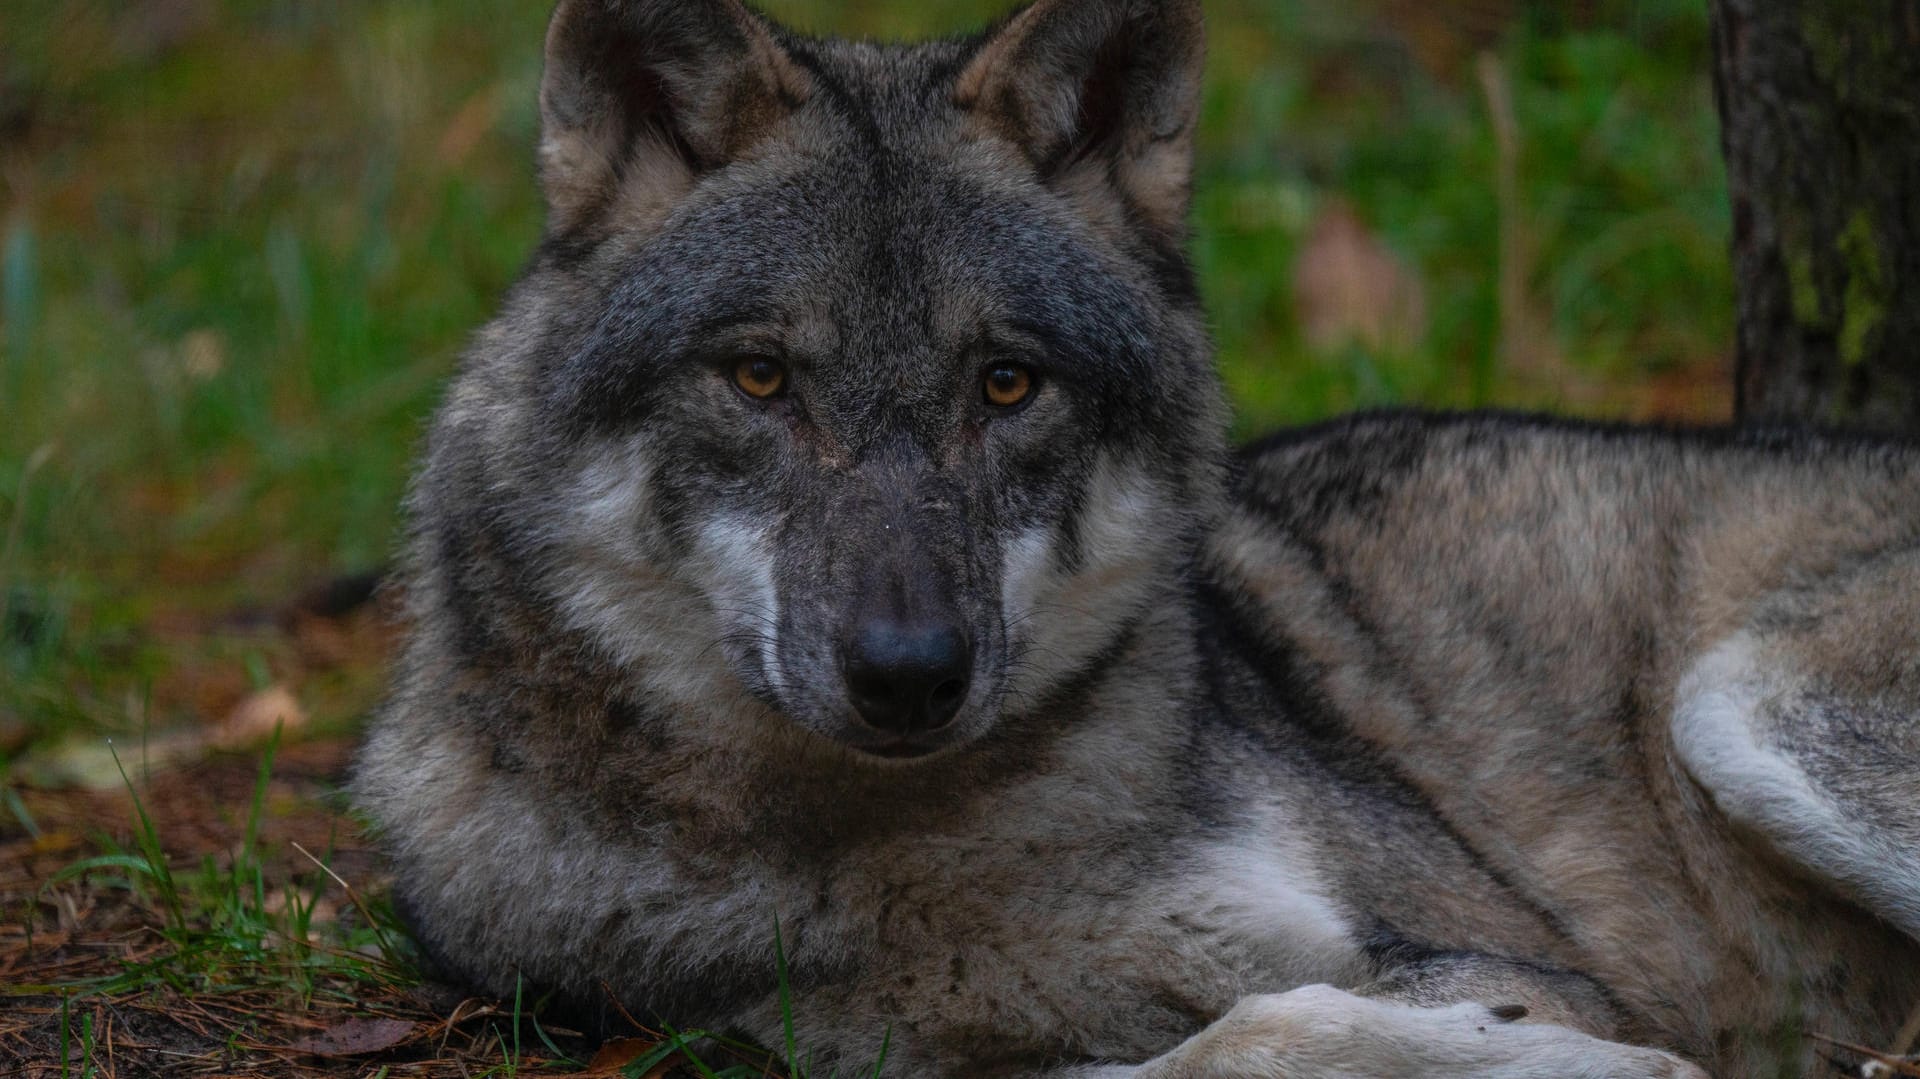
900,749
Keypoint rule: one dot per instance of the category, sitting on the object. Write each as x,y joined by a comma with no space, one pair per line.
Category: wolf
835,540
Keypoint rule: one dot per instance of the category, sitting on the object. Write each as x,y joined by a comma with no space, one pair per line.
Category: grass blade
149,840
786,994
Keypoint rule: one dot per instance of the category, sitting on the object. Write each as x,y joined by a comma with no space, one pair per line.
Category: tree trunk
1820,122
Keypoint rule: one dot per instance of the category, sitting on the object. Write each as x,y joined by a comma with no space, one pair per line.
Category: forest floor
204,904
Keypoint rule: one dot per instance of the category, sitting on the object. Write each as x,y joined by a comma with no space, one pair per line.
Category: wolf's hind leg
1806,730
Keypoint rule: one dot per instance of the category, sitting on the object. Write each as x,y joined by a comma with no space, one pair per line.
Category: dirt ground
243,960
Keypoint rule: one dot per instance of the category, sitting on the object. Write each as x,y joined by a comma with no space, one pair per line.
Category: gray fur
1475,745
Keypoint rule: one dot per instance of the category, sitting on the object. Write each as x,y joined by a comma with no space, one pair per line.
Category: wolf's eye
759,377
1007,384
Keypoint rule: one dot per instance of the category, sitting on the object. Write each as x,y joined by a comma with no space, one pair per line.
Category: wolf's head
863,387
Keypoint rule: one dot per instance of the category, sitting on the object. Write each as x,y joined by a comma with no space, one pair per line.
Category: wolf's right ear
650,94
1100,95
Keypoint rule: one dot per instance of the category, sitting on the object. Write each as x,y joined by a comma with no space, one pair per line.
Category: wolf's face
864,382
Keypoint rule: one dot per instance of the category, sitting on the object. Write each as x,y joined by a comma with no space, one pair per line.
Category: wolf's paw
1319,1032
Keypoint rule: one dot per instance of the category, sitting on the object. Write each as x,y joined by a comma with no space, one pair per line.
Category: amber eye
1007,385
759,377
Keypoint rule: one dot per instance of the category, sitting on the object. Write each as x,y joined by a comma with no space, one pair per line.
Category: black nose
906,677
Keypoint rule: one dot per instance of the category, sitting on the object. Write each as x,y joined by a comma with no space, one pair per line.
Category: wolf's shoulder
1395,433
1352,461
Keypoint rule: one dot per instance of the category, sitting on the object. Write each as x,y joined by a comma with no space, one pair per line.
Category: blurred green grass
244,240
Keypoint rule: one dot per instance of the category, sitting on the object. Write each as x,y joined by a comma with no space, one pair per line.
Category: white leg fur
1717,734
1319,1032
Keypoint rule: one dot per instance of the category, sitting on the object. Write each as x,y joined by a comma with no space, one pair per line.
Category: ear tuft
1110,85
653,92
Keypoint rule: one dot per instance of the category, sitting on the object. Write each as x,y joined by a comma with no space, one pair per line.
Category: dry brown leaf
356,1037
95,763
617,1054
1350,288
255,718
55,842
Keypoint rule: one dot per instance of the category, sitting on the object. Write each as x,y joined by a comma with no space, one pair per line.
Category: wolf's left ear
646,95
1098,92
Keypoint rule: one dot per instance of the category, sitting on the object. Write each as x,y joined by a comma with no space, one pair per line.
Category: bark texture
1820,121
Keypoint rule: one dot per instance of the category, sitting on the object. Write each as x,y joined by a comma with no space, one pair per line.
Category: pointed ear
652,93
1111,86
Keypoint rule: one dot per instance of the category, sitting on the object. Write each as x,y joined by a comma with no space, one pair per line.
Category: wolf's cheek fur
708,624
1069,589
611,578
694,628
734,560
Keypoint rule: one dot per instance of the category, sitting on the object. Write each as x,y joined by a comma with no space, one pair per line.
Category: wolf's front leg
1319,1032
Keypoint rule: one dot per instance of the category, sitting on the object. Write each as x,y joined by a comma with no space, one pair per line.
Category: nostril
945,700
905,677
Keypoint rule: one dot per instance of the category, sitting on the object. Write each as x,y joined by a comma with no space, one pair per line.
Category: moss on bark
1820,103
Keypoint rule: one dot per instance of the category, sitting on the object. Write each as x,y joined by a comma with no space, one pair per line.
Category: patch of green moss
1864,306
1803,291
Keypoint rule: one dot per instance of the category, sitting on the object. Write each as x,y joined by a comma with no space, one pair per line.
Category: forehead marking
844,103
